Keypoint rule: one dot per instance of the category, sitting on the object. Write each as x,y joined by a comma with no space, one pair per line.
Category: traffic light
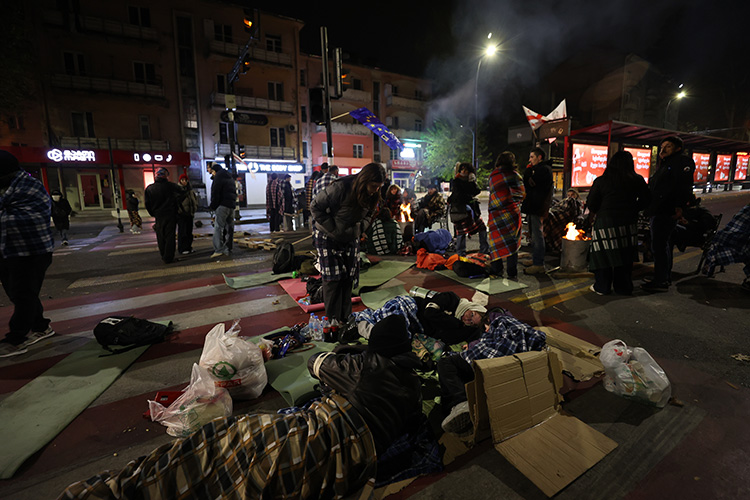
241,151
317,105
248,21
245,65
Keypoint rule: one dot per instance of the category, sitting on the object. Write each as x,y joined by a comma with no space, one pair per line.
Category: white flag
560,112
535,119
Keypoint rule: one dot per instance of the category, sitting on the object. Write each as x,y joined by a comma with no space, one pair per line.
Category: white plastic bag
235,363
200,403
634,374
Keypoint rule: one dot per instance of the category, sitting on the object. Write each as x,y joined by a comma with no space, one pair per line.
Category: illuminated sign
81,155
642,160
404,164
723,164
589,162
740,171
259,167
149,158
407,152
702,164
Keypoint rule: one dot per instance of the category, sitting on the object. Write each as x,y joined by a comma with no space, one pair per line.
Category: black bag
458,212
129,332
469,269
283,258
315,290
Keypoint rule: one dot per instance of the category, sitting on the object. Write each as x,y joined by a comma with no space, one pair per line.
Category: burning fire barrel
575,249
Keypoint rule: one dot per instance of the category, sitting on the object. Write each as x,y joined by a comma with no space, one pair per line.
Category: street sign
557,129
520,134
245,118
230,101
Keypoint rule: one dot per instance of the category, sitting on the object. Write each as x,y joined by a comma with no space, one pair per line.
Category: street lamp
679,96
489,51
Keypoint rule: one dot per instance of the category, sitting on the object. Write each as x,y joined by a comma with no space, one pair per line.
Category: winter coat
288,197
131,203
337,212
189,204
162,198
223,190
618,199
539,185
60,212
671,185
438,318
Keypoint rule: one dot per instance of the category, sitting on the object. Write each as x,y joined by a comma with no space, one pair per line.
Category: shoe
458,420
595,290
527,262
132,231
35,337
216,254
187,252
7,350
650,279
653,286
513,277
535,270
65,243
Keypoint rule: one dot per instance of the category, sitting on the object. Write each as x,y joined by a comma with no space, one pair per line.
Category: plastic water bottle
317,329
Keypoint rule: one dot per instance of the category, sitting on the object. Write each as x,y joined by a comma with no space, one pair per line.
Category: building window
144,124
358,150
185,46
418,94
323,149
15,122
223,133
356,84
221,84
394,90
418,125
83,124
275,91
75,63
304,149
278,138
140,16
376,96
394,121
223,33
303,78
303,113
394,154
190,110
273,43
144,72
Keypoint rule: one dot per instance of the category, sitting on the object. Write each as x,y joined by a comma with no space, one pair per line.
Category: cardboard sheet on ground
486,285
255,279
376,298
578,358
296,288
380,273
36,413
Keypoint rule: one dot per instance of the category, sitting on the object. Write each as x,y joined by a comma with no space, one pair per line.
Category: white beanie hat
466,305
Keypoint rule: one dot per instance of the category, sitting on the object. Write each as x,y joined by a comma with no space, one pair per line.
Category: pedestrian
26,247
731,244
162,199
240,191
223,201
61,215
272,213
287,208
671,187
342,213
326,179
309,185
538,182
429,209
507,192
185,214
615,199
131,203
464,209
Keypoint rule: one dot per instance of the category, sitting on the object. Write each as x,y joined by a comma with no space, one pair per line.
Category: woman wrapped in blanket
342,212
327,450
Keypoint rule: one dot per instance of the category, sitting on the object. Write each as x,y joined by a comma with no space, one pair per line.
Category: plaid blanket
382,240
469,225
505,336
336,259
404,305
325,451
506,194
731,244
561,213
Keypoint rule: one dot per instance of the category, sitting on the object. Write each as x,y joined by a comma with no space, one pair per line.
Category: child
135,219
61,215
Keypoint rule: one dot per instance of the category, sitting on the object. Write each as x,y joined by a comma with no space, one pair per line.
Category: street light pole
490,50
675,98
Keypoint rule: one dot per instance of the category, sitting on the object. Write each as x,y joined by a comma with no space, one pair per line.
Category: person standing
131,203
507,192
272,213
341,213
240,192
26,247
223,200
162,198
538,183
464,204
287,202
61,215
671,189
185,214
615,198
309,185
326,180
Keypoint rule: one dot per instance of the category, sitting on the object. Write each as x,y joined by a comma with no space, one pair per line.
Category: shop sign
405,164
244,118
72,155
150,157
259,167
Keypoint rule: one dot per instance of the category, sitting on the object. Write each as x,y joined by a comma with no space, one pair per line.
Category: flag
536,120
560,112
369,120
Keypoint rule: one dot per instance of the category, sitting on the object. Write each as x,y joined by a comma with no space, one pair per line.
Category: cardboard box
516,400
578,358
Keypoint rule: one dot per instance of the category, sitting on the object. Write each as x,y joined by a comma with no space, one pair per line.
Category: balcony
259,152
345,128
233,50
357,95
92,84
405,102
253,103
407,134
103,26
123,144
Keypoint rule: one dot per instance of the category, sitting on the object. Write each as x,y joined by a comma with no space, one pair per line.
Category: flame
573,234
406,212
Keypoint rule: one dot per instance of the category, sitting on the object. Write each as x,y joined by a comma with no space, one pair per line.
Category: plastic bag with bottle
633,374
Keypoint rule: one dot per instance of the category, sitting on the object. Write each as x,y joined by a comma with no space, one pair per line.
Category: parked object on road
634,374
129,332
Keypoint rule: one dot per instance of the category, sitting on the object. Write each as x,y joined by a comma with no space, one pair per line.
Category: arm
323,207
594,199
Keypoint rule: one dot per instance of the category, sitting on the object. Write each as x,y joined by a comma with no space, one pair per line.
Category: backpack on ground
129,332
283,258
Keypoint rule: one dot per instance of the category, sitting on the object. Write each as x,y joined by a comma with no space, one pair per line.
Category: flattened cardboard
578,358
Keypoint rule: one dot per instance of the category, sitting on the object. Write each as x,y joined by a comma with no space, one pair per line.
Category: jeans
22,279
165,228
224,230
337,296
662,227
537,239
184,233
453,373
484,247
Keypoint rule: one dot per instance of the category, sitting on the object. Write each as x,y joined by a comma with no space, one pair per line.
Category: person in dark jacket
464,209
131,203
61,214
342,213
162,198
671,189
429,208
287,205
615,198
185,214
223,200
539,186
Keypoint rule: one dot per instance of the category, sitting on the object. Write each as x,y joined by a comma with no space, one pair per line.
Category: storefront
254,175
404,173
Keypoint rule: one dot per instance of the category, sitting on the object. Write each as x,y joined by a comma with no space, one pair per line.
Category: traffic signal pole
326,90
240,66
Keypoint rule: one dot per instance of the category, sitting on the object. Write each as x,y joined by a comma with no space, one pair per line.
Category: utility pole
326,89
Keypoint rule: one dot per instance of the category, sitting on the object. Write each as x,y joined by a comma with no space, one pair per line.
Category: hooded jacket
162,198
223,190
338,214
671,185
539,184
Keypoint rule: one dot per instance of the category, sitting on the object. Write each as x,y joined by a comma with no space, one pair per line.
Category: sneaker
7,350
653,286
459,419
595,290
535,270
65,243
187,252
35,337
216,254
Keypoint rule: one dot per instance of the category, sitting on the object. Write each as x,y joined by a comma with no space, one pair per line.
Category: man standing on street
223,200
671,190
538,181
162,198
26,247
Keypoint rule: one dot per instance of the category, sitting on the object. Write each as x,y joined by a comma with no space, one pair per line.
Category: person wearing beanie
26,247
430,208
223,201
61,214
162,199
131,203
185,214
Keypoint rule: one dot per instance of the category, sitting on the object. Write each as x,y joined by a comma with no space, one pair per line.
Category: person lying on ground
327,450
503,335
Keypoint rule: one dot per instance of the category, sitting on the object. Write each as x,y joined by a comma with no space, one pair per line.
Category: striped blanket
506,194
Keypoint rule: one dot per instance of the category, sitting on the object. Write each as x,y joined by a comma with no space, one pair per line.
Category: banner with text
723,165
702,164
642,160
740,172
589,162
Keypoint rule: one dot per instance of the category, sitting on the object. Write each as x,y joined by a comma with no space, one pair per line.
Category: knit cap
466,305
390,337
162,172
